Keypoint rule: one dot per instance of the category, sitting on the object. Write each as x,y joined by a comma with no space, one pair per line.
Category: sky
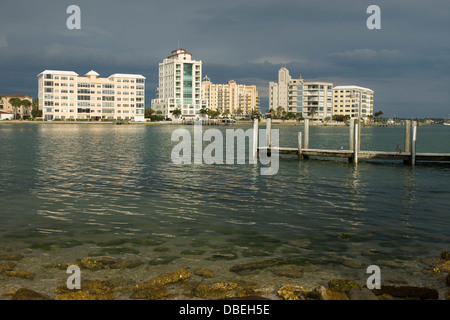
406,62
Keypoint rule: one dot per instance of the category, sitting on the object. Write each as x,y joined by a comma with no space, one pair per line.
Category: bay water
69,191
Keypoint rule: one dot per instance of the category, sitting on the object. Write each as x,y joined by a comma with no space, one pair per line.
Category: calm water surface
71,191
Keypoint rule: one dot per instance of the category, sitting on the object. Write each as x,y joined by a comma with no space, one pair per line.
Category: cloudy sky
406,63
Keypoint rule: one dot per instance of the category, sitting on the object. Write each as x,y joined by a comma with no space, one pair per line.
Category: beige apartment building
353,101
18,112
237,99
309,99
65,95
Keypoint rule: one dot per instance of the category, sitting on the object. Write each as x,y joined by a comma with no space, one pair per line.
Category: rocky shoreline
200,283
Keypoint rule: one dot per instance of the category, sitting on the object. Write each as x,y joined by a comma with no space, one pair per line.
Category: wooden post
306,133
407,136
255,139
268,131
356,146
300,146
352,134
413,146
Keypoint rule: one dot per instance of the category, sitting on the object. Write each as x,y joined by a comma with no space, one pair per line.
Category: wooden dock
408,156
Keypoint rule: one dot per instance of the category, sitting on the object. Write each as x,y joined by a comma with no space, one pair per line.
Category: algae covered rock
150,291
291,292
91,264
172,277
75,295
19,274
8,266
214,291
27,294
342,285
445,255
330,294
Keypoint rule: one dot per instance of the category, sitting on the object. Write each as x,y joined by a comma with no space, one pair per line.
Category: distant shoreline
275,122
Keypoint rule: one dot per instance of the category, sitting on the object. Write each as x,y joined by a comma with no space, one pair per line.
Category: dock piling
300,146
356,143
306,133
413,145
255,138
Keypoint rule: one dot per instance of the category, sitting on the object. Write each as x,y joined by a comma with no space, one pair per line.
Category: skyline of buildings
65,95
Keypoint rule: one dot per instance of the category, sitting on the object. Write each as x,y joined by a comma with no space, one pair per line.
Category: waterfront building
353,101
17,111
237,99
308,99
65,95
179,86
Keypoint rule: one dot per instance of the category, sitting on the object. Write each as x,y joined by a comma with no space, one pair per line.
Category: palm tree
225,113
280,110
204,112
312,113
176,112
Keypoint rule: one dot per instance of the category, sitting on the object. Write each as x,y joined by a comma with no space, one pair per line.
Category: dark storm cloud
247,41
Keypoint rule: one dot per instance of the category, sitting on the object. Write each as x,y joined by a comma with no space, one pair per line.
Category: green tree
239,111
203,112
36,112
279,112
312,113
148,113
35,103
225,113
176,112
15,103
378,114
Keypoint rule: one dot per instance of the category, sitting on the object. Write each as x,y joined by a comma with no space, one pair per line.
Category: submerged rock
172,277
214,291
291,292
361,294
447,279
407,292
330,294
290,273
76,295
150,292
156,288
19,274
204,272
26,294
11,256
342,285
91,264
445,255
8,266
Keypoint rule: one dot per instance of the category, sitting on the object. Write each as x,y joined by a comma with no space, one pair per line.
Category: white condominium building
353,101
65,95
179,86
309,99
237,99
